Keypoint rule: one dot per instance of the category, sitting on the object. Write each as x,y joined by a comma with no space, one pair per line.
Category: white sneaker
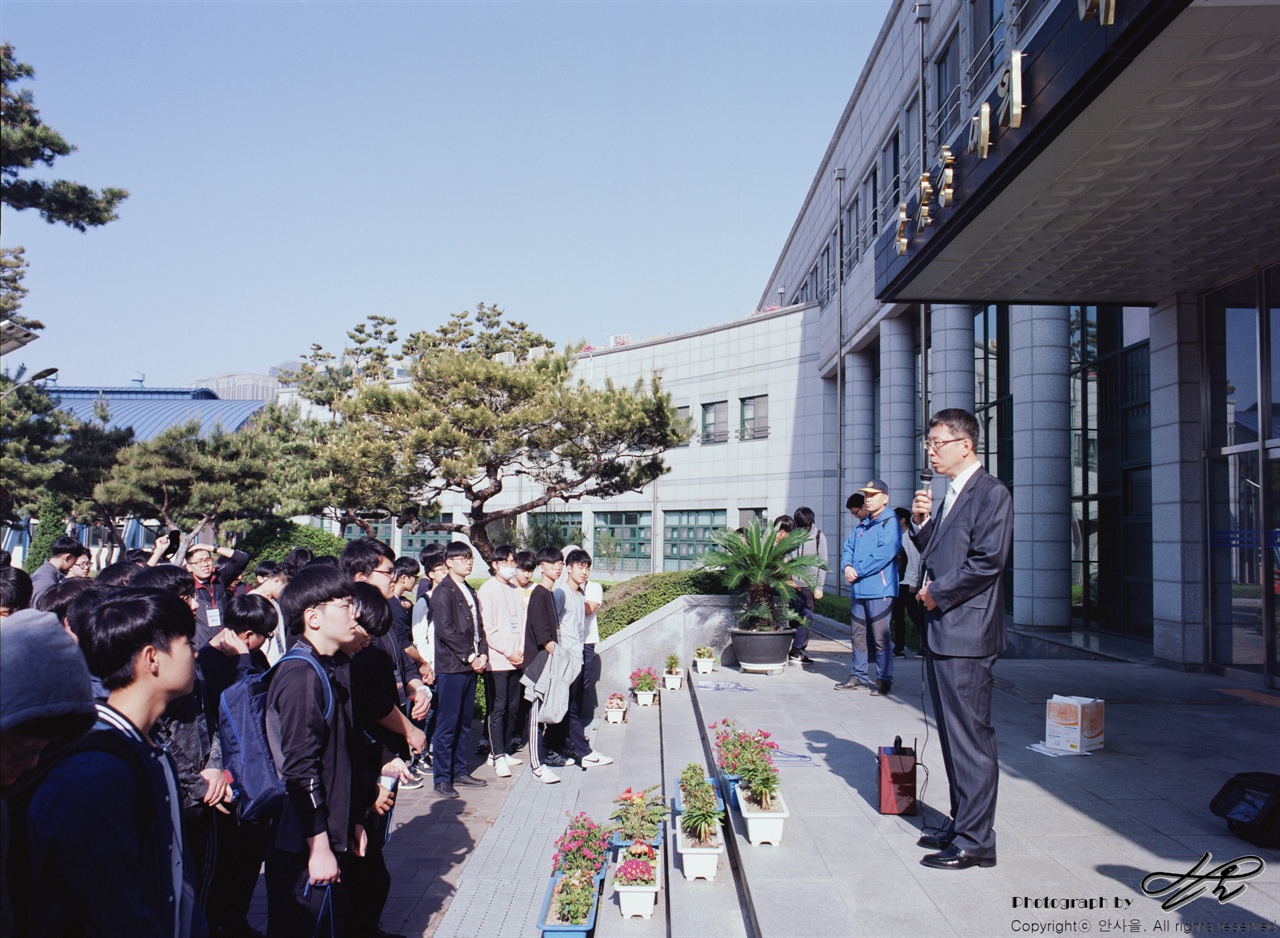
545,775
512,760
500,768
594,758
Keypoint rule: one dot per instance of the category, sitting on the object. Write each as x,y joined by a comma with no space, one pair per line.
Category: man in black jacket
461,655
212,568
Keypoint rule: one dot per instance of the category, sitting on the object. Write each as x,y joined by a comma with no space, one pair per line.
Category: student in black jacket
320,820
461,656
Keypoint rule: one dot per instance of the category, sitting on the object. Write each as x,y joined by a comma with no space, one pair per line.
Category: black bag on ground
1250,803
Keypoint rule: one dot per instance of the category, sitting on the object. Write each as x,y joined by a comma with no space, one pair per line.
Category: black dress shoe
881,689
445,790
470,781
939,841
953,858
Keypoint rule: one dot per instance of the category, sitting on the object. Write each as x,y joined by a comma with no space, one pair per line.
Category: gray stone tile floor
1072,828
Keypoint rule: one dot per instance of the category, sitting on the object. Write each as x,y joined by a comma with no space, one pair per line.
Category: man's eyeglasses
389,574
340,603
934,445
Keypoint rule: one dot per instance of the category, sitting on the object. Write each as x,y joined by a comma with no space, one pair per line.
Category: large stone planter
761,651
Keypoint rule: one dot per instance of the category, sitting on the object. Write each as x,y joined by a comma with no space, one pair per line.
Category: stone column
1177,493
859,420
951,361
1039,360
900,453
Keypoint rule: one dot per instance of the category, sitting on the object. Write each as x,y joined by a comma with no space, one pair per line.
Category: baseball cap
875,487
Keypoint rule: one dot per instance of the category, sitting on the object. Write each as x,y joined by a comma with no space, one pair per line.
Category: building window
687,536
747,515
852,225
946,96
987,36
755,418
682,418
890,177
1111,469
412,544
715,422
556,529
871,199
911,138
1241,324
381,530
624,541
825,264
993,403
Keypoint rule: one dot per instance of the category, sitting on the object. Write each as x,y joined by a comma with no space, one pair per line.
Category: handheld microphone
926,475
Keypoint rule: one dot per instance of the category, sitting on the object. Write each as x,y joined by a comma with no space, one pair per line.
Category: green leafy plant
573,897
759,778
632,600
644,679
582,846
758,566
734,746
639,814
704,651
700,815
673,664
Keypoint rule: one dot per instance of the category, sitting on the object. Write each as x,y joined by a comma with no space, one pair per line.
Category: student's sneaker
512,760
517,745
499,766
593,758
482,747
556,760
410,782
799,657
545,775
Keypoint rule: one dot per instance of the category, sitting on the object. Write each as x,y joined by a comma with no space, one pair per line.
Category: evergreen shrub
632,600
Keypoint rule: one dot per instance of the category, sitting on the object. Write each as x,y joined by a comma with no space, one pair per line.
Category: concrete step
711,908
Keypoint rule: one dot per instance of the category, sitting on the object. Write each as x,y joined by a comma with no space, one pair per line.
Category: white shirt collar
958,483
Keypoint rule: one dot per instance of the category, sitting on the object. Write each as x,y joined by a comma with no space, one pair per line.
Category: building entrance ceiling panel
1167,182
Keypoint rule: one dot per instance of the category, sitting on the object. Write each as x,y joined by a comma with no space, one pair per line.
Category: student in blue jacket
870,566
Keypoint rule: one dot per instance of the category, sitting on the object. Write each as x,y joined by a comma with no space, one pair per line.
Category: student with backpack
106,854
308,725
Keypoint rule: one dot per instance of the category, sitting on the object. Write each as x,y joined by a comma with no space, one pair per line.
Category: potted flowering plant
615,708
644,684
673,675
759,801
636,882
638,817
569,907
704,658
698,840
733,745
584,845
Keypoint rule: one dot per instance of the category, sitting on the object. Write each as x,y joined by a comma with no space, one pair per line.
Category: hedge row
632,600
272,541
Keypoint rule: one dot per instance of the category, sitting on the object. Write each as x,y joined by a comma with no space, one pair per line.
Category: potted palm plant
761,566
673,674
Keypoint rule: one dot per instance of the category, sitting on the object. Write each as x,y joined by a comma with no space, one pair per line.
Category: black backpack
1250,803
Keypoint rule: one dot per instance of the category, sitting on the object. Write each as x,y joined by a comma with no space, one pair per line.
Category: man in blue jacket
870,565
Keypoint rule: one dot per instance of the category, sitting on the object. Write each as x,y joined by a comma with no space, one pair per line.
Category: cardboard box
1074,724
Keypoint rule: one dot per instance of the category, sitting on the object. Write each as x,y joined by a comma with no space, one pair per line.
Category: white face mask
507,573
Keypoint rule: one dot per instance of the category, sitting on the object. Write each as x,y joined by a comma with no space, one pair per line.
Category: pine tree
27,140
32,445
472,421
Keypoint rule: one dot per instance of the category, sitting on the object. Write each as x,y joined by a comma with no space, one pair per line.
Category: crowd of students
119,812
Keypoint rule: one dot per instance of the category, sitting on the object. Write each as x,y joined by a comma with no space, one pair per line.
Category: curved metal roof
150,418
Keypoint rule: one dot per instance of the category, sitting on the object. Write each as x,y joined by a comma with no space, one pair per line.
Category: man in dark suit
964,548
461,655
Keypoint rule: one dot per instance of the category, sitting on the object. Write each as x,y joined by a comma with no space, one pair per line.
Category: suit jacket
455,628
964,557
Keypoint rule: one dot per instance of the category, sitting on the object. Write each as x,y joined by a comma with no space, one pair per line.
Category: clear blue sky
592,168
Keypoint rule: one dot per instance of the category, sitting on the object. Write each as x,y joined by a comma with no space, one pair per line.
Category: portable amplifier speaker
896,780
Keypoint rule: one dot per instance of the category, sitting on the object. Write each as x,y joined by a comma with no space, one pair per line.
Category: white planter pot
645,697
615,716
672,681
704,665
640,900
698,862
763,827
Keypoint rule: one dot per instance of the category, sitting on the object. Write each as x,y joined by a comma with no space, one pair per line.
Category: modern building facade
1072,208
